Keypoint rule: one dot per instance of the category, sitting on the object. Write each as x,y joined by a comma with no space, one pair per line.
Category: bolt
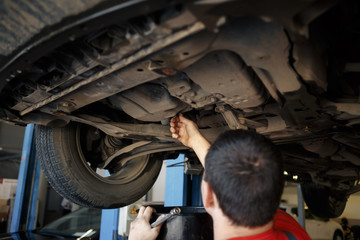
61,114
237,97
221,21
188,100
192,94
72,37
42,87
169,71
120,134
100,84
68,104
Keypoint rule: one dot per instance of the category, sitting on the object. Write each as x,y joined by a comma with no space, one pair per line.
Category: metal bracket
230,117
124,150
192,166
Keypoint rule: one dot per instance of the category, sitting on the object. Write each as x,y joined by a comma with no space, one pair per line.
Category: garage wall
11,141
11,137
290,194
157,192
352,210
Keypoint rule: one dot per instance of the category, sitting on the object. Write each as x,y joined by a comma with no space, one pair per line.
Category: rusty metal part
350,108
231,118
126,149
146,150
263,46
158,131
323,147
273,124
117,129
156,46
225,77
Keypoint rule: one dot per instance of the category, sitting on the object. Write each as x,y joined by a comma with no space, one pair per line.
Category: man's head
245,172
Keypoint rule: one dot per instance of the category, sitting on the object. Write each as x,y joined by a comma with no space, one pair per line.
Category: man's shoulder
268,235
284,222
285,228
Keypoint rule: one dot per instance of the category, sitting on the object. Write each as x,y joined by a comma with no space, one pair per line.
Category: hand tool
173,212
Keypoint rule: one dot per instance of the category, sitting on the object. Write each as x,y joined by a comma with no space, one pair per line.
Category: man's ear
208,196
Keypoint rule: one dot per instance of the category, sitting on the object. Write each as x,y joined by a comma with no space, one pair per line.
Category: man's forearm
201,147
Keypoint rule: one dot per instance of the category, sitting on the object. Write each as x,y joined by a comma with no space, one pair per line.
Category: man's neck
223,229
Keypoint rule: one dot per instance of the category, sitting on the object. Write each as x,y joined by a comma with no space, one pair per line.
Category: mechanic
241,187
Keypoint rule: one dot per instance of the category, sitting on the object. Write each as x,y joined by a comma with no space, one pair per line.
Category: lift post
24,216
181,189
301,209
109,224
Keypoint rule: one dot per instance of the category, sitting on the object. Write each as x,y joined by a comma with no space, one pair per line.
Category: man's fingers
148,212
174,135
158,227
141,211
180,124
174,120
183,119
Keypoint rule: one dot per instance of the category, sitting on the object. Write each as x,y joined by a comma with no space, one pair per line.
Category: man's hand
187,132
140,228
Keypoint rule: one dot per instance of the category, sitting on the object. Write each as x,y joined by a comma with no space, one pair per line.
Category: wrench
173,212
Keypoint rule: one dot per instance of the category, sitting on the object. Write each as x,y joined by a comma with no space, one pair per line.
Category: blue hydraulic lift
25,206
181,189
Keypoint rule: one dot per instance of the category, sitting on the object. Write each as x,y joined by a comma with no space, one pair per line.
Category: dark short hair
245,171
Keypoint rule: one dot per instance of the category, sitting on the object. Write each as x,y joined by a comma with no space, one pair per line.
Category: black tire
72,177
323,201
338,235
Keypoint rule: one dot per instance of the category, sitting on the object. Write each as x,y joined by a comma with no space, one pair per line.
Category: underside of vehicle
103,84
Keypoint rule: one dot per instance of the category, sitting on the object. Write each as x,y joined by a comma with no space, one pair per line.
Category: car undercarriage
113,76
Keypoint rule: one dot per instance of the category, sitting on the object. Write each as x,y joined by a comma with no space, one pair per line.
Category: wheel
338,235
70,158
323,201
